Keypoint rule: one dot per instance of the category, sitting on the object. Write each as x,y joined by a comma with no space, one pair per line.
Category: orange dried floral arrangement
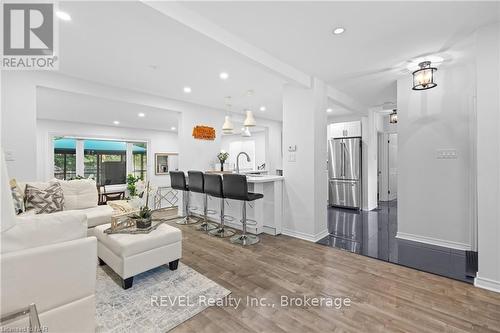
204,133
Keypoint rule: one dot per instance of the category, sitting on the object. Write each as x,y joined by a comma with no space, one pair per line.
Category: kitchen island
266,213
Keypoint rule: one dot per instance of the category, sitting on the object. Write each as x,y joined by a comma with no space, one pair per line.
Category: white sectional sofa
80,196
48,260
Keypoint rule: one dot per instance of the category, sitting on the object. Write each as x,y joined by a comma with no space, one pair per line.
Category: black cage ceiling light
423,78
393,117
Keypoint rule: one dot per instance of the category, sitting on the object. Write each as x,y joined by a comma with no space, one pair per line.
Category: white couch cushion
125,245
79,193
7,214
40,185
97,215
38,230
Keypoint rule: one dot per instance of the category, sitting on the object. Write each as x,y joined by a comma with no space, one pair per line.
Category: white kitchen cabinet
346,129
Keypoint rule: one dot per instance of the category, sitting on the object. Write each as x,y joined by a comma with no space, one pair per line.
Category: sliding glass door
105,161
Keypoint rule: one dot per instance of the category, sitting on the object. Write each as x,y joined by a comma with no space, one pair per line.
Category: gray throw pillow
48,200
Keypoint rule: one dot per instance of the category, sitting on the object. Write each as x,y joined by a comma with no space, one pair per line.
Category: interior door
393,166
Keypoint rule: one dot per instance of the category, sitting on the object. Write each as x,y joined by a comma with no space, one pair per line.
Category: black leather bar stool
197,185
236,187
213,187
178,182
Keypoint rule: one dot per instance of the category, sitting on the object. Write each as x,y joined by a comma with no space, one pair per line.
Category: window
139,153
64,158
103,160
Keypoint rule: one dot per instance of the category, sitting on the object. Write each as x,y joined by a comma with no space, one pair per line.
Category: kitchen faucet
238,160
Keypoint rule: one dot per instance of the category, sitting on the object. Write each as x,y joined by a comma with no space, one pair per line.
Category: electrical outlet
446,154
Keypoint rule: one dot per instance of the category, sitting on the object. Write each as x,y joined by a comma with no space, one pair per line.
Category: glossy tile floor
373,234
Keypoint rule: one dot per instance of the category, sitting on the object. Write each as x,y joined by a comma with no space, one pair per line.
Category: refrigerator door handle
344,150
342,160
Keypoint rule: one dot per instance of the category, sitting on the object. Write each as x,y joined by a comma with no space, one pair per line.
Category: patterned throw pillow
45,201
17,197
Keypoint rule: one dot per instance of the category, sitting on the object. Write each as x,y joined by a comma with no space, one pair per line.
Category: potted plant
131,185
222,156
144,217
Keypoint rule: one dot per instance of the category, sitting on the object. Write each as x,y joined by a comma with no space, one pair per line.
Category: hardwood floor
384,297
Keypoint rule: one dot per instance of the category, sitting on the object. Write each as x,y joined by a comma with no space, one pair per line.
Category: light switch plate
446,154
291,157
9,155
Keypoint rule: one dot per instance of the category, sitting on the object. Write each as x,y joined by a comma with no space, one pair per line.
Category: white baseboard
488,284
433,241
305,236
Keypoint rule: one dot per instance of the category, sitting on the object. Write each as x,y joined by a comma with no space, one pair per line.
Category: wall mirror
165,162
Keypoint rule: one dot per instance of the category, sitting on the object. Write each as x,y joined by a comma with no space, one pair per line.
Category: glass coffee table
125,223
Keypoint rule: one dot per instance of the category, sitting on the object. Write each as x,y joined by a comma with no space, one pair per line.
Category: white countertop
264,179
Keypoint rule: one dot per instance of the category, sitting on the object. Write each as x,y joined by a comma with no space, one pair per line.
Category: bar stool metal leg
206,226
187,219
221,231
244,238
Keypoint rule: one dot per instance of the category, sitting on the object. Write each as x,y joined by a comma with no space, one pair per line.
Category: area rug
159,299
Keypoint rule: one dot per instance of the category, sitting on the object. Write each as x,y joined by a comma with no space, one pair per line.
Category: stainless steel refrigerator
344,172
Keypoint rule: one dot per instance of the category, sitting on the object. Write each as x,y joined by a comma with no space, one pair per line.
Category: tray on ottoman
126,224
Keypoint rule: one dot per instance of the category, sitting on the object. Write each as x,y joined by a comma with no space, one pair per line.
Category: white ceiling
100,111
365,61
128,44
118,43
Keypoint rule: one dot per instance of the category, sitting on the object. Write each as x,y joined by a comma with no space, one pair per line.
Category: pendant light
423,78
249,120
393,117
228,127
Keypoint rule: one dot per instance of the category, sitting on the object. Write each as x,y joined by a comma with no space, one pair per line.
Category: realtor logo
28,36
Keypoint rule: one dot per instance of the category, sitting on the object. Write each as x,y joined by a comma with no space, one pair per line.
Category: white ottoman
131,254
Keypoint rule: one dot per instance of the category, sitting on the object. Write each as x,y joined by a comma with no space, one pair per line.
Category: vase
221,166
143,223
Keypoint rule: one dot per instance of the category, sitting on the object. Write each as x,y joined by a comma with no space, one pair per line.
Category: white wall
19,123
19,120
305,187
157,142
488,157
435,196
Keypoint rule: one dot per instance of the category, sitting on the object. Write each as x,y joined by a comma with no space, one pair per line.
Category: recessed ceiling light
63,16
173,128
116,122
262,108
329,110
224,76
187,90
142,115
338,31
